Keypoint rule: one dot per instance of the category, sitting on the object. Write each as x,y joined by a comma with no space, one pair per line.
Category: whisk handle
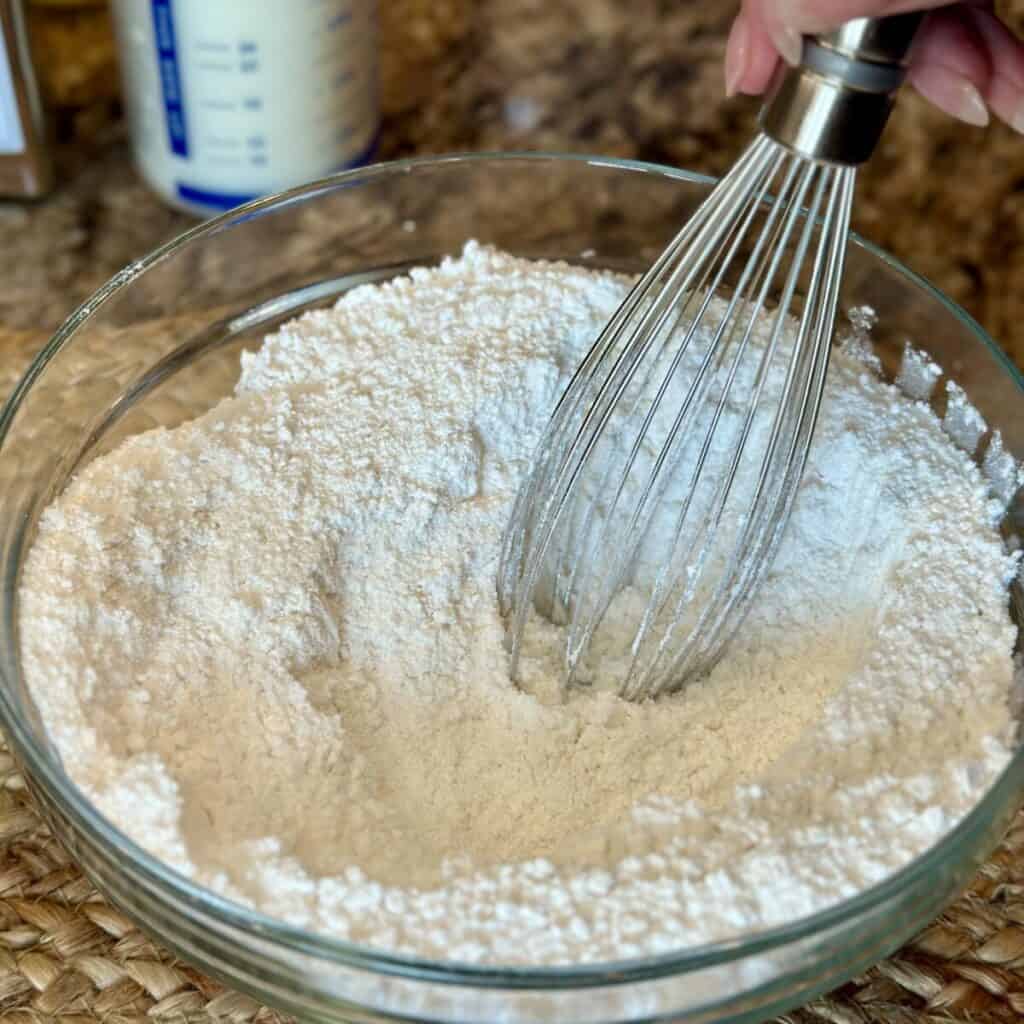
885,41
834,105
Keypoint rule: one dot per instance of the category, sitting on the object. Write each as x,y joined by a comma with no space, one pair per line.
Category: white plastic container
230,100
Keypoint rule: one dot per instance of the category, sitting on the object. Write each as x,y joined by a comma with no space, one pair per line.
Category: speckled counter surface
639,80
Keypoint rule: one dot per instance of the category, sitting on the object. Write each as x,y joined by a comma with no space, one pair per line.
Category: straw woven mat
68,957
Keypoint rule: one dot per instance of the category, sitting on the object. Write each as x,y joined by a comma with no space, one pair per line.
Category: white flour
267,645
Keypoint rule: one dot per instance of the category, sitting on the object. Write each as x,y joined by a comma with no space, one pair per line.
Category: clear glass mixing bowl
160,343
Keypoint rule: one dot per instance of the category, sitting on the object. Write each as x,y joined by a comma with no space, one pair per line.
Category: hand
965,60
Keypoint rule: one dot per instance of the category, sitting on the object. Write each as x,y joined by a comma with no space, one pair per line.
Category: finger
1005,92
750,56
952,65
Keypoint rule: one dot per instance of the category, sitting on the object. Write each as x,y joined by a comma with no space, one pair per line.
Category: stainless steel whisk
650,402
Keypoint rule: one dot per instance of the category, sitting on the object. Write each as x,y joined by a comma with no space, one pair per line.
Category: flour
267,645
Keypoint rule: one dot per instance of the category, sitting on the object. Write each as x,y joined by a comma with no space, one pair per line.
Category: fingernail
736,52
1006,101
962,98
789,43
951,92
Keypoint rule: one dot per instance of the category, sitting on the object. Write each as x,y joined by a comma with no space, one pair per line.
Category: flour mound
267,645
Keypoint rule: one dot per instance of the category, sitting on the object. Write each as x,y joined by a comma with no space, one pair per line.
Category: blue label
211,199
170,76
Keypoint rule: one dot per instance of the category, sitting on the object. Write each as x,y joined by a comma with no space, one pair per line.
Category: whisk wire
762,530
822,316
556,477
584,622
756,278
651,396
641,677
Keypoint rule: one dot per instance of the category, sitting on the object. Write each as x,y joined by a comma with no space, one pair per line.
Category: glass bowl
160,343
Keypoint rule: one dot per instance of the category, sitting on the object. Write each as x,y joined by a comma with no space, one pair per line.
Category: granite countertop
637,80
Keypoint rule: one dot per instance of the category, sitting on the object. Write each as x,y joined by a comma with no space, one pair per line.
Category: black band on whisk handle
834,105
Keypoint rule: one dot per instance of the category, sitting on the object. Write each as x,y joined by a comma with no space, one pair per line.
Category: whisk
664,481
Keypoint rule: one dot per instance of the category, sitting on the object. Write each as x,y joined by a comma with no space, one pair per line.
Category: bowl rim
354,955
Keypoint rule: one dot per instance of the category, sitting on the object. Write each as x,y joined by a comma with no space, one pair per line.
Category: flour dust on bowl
254,670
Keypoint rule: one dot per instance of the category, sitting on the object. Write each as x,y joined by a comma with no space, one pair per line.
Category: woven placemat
68,957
